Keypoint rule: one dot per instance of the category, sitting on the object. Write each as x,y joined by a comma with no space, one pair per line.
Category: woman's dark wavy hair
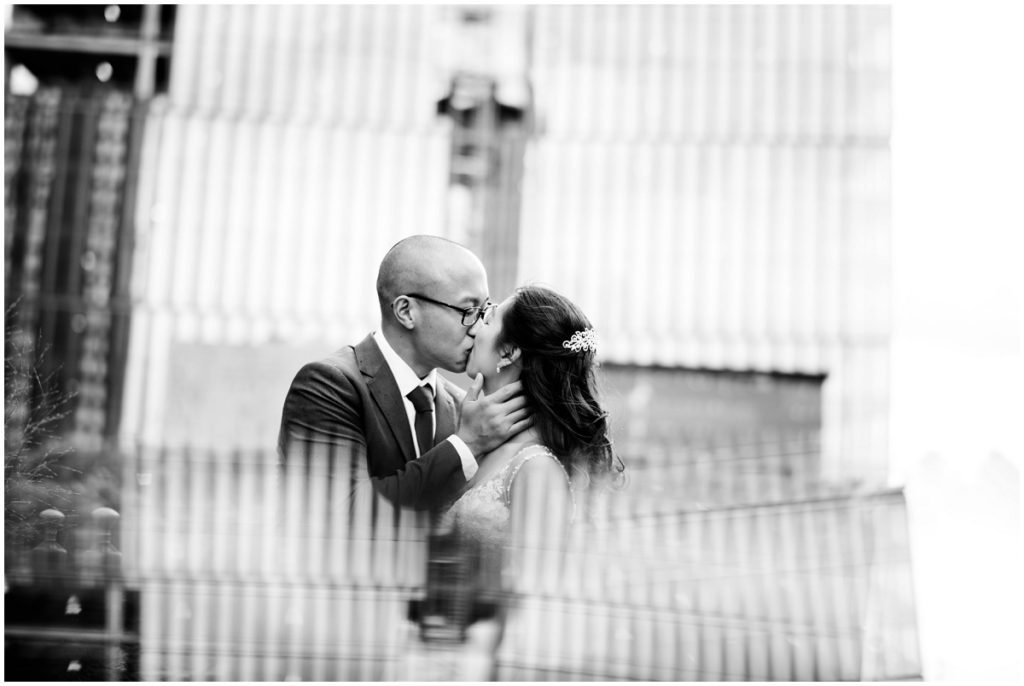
560,384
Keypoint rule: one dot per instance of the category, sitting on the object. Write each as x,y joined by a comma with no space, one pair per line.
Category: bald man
421,435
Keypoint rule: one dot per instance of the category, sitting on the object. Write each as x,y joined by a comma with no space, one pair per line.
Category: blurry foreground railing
68,614
817,590
248,571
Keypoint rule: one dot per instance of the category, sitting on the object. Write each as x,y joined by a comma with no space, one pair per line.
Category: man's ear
401,307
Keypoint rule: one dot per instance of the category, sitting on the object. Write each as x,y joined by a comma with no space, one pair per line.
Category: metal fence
236,568
248,572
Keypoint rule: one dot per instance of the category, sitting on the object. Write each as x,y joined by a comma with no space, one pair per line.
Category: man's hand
487,421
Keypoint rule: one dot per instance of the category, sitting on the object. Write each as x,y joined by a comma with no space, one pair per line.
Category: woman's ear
401,307
512,355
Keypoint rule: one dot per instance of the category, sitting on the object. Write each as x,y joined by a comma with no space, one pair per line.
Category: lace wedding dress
478,524
482,512
484,599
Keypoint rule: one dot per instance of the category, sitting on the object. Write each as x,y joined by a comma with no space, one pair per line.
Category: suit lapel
382,386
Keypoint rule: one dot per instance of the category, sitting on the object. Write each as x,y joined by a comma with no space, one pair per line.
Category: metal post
114,654
145,69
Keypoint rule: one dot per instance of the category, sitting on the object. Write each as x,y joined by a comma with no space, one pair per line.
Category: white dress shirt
407,380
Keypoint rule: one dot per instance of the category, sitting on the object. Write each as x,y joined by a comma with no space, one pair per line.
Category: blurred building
709,183
78,80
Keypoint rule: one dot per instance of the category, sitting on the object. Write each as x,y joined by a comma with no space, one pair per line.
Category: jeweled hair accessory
581,341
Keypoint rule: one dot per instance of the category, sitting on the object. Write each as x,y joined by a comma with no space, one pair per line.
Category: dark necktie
423,401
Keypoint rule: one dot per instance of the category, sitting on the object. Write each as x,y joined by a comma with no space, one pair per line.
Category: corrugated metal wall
358,66
711,184
296,145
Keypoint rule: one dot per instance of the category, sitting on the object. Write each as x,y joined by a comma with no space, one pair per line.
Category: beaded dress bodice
482,512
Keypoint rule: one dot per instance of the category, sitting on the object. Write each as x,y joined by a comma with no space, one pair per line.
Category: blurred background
783,221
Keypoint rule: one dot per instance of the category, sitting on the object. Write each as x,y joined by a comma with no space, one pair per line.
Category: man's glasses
470,315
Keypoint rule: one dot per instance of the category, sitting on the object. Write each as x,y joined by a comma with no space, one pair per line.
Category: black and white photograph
415,342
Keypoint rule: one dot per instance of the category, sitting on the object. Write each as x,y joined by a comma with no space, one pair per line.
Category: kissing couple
530,414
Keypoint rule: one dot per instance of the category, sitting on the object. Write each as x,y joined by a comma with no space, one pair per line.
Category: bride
514,516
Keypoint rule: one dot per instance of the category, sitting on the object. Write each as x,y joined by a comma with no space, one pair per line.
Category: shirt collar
405,377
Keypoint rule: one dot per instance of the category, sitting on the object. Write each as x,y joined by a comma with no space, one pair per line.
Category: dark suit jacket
350,401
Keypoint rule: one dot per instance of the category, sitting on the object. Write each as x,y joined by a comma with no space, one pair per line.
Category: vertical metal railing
247,570
236,567
68,614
